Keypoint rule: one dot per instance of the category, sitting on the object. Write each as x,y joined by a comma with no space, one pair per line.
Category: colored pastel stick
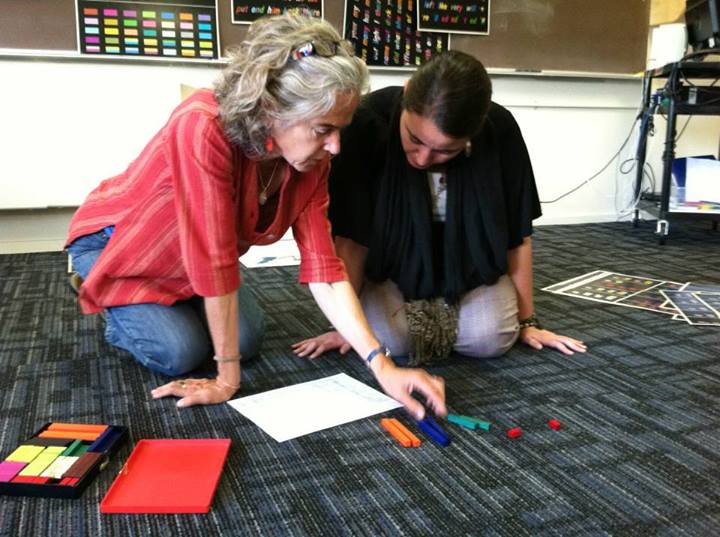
395,433
39,463
82,465
484,425
463,421
555,425
58,467
73,448
72,435
434,424
23,479
515,432
82,427
24,453
9,469
433,434
105,440
404,430
37,441
430,428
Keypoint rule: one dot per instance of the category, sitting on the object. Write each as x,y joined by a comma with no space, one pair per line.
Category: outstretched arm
521,273
340,305
354,256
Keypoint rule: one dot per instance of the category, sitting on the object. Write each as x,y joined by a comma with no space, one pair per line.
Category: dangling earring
468,148
269,144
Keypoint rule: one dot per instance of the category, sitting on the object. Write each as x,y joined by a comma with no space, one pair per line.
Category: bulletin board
457,16
247,11
385,34
527,35
148,29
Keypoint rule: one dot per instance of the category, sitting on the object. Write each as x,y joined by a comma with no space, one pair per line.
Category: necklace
262,197
439,185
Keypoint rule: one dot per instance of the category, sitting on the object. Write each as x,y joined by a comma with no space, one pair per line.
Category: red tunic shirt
186,209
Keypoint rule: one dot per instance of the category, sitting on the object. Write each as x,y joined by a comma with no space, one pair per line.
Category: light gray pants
487,321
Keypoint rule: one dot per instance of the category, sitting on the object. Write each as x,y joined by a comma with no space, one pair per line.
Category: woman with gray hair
157,246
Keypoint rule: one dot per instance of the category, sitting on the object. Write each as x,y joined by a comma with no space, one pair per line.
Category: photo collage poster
384,33
158,29
455,16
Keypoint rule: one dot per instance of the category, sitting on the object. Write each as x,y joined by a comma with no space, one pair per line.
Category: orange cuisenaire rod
76,435
84,427
389,426
404,430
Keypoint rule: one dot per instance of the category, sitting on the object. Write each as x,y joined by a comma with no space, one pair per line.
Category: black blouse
379,201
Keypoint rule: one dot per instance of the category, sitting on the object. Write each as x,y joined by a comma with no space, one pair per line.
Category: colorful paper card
160,29
247,11
693,309
620,289
455,16
384,33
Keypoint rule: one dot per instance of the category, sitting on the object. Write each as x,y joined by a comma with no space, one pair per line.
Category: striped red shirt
186,209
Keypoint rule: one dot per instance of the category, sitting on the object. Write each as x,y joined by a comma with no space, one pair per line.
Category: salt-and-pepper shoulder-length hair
268,80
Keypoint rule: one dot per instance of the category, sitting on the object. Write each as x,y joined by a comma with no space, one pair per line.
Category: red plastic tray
168,476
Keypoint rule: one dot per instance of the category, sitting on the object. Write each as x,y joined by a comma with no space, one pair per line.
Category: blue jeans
171,340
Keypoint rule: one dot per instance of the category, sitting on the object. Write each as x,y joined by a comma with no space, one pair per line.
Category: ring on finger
182,384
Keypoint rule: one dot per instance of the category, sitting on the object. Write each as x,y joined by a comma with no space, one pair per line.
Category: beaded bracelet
530,321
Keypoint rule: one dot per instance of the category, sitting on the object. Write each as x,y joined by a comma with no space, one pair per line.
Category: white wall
67,124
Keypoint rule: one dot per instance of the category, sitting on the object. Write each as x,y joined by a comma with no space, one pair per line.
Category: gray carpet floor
639,452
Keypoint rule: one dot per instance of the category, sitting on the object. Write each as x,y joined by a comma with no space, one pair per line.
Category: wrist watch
382,349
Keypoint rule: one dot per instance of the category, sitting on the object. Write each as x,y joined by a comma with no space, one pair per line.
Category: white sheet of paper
282,253
308,407
702,180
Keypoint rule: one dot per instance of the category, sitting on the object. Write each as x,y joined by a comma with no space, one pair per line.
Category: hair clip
303,51
310,49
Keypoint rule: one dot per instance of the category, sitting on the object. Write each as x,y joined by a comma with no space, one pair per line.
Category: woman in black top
432,202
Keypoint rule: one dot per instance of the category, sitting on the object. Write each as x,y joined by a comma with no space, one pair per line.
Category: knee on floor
177,356
251,342
483,344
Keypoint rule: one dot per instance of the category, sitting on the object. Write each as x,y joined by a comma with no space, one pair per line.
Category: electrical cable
644,115
588,180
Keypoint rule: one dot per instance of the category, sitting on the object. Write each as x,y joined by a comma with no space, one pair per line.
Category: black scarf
475,231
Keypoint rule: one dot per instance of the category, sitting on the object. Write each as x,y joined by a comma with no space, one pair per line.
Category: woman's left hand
538,338
196,391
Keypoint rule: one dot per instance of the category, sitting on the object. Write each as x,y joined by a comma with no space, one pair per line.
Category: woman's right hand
196,391
315,346
400,383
